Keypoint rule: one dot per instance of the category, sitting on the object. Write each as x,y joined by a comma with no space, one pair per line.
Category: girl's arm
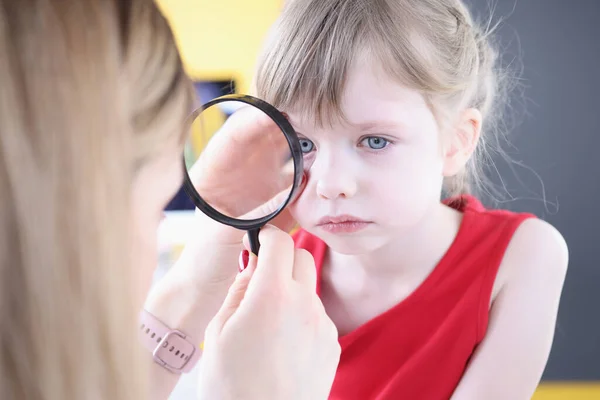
511,359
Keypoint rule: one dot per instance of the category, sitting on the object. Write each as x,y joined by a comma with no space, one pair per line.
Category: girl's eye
375,143
306,146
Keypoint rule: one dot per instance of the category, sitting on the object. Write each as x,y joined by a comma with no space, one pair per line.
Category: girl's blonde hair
433,46
89,91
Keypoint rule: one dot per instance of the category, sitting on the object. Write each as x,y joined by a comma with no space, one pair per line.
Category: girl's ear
465,137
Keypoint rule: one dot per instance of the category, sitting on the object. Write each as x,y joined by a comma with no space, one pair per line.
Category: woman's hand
271,339
192,292
241,172
244,164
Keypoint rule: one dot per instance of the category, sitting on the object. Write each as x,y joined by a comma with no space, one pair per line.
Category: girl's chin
351,245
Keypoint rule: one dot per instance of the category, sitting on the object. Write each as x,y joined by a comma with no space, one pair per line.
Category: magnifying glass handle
253,239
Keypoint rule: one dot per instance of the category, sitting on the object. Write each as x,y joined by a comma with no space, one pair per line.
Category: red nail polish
244,259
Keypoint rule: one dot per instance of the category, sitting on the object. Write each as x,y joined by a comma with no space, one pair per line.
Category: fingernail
244,258
303,179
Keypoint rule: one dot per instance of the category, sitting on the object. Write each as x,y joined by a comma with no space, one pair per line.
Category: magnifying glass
243,162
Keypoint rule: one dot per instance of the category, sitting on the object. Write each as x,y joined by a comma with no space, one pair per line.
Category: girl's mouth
342,224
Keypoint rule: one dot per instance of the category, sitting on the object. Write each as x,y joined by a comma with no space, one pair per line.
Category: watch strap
172,349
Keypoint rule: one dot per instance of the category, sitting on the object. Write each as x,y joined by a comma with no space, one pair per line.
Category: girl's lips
342,224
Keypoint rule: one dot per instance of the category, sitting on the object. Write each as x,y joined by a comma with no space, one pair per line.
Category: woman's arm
271,311
182,308
511,359
193,290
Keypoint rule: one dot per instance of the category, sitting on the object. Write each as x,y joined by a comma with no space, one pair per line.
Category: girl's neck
406,254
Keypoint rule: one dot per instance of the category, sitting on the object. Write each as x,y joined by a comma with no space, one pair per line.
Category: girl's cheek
294,208
299,210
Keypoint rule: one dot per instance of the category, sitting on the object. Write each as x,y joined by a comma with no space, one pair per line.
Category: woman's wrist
185,306
188,296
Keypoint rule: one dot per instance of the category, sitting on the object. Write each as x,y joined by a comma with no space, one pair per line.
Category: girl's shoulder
520,318
537,250
530,238
533,247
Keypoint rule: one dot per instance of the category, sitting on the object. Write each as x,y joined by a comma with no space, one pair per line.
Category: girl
394,102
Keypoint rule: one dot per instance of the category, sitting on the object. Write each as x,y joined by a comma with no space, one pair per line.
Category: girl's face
380,172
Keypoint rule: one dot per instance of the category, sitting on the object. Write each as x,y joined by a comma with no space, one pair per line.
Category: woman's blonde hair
89,91
433,46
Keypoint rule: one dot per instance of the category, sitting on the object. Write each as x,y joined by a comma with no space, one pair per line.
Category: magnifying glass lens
243,161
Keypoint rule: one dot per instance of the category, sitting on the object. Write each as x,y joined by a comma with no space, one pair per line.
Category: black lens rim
293,142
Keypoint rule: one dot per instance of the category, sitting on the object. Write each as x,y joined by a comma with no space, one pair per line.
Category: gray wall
558,139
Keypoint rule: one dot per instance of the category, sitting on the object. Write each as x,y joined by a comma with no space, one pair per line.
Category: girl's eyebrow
367,126
378,124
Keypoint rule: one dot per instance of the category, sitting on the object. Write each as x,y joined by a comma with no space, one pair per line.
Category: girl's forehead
367,82
369,98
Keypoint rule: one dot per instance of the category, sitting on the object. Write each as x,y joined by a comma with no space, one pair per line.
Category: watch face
174,351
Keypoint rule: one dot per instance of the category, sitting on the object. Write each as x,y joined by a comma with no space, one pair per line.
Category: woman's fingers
276,259
235,295
268,207
305,271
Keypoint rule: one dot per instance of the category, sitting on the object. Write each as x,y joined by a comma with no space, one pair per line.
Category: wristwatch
172,349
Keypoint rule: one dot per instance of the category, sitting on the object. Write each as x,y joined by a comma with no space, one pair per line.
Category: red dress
419,349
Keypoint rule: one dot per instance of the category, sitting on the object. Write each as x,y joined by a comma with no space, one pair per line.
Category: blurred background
554,44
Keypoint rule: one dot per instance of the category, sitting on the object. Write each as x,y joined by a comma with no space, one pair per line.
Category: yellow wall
220,39
568,391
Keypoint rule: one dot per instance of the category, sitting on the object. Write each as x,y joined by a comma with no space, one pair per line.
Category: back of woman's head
90,90
433,46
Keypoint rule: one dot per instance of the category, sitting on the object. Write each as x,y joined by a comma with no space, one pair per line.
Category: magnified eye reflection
306,145
241,165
